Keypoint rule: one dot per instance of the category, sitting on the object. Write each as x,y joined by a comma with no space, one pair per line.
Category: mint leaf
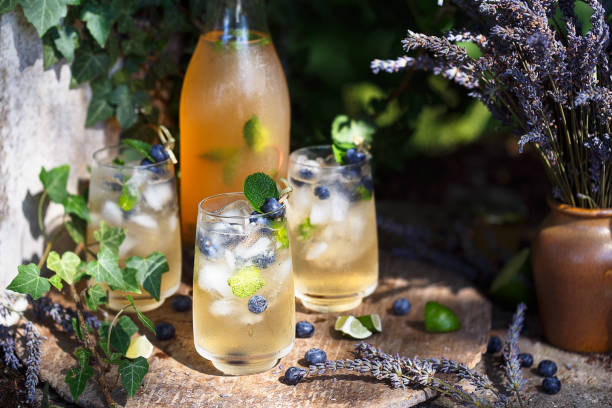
149,271
66,267
54,181
258,187
144,319
98,22
339,154
44,14
76,204
95,296
29,281
364,193
122,333
221,154
132,373
77,378
66,41
56,281
143,147
88,65
347,132
246,282
255,135
7,5
128,197
106,268
281,237
110,237
306,229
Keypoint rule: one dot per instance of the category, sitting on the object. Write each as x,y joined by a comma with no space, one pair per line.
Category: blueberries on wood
164,331
551,385
401,307
181,303
494,345
304,329
547,368
158,153
322,192
315,356
525,359
257,304
293,375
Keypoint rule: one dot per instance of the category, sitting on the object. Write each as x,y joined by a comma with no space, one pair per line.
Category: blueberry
164,331
206,247
322,192
547,368
304,329
315,356
551,385
264,260
181,303
351,172
354,156
293,375
272,207
367,183
401,306
257,304
158,153
525,359
257,218
306,174
494,345
154,169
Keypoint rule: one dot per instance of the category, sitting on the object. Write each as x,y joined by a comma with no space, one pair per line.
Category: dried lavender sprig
7,344
32,340
512,365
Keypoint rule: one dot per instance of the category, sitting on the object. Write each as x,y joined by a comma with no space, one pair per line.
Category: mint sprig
258,188
142,147
349,134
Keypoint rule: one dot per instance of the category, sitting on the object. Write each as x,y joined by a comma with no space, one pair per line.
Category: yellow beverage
231,79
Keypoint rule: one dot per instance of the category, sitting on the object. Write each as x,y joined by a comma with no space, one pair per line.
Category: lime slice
440,319
371,322
139,347
350,326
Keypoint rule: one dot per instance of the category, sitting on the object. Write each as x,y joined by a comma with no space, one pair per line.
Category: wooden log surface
179,377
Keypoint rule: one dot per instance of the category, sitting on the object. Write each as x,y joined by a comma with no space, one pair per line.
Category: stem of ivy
41,224
48,248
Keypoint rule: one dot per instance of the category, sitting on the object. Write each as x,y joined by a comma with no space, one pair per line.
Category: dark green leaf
122,333
258,187
126,111
144,319
88,65
76,229
29,281
130,280
7,5
132,373
65,266
122,11
149,271
54,181
99,110
115,358
56,281
95,296
66,41
110,237
77,380
103,336
76,204
83,355
50,54
76,327
98,21
106,268
137,44
44,14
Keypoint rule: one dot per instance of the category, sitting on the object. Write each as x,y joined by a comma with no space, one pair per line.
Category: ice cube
213,277
339,207
144,220
315,250
172,223
281,271
261,252
159,195
250,318
356,226
225,307
111,213
301,197
238,208
320,212
230,259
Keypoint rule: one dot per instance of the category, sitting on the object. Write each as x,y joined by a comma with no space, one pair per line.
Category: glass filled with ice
243,296
332,228
129,191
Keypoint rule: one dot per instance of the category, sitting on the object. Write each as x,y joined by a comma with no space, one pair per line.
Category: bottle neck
236,18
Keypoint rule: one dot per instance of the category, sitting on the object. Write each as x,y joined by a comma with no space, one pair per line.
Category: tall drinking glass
332,228
243,297
149,214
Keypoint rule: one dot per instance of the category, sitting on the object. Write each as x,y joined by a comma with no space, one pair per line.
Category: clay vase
572,269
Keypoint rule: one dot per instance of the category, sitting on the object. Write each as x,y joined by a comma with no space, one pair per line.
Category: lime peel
351,326
440,319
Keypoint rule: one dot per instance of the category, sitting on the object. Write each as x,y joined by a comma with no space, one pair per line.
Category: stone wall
42,123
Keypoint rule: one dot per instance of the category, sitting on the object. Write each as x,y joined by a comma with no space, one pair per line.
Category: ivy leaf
132,373
98,21
76,229
67,41
137,44
56,281
130,280
144,319
83,355
77,378
76,327
106,268
50,54
44,14
126,111
99,110
109,237
258,187
54,181
103,336
7,5
76,204
149,271
122,333
88,65
29,281
95,296
65,266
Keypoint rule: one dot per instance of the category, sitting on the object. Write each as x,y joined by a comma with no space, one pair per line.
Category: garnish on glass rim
258,188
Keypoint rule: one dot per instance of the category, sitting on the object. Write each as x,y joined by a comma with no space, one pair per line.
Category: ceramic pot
572,269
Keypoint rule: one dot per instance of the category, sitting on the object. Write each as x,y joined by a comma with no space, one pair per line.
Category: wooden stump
179,377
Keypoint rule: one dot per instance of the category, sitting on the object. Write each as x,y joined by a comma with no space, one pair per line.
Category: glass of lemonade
332,228
151,223
243,296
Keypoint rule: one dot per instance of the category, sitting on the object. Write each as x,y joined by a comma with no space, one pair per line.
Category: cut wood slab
179,377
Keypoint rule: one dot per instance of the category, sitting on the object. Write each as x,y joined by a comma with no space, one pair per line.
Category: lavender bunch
549,83
402,372
31,357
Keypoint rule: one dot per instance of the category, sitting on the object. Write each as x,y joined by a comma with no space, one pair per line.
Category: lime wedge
440,319
139,347
352,327
371,322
